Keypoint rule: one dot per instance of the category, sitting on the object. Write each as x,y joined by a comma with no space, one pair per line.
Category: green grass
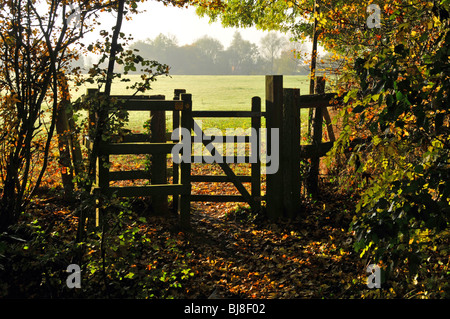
210,92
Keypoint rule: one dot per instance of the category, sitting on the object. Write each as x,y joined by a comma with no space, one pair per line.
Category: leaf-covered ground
230,253
247,257
235,254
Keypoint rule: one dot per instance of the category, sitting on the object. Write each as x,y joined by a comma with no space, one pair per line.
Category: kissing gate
283,187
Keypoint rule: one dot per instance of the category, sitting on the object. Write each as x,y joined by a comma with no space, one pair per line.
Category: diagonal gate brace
228,171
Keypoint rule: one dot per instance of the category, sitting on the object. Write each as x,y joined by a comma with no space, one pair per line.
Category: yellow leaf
437,22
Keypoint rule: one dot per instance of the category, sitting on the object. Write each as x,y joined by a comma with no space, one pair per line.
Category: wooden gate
254,198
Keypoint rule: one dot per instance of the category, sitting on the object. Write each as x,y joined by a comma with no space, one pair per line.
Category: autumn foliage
395,117
389,204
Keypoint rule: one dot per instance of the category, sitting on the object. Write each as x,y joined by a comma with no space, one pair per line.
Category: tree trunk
102,115
8,201
63,131
313,64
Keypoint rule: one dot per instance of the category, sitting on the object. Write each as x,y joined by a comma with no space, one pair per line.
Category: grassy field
210,92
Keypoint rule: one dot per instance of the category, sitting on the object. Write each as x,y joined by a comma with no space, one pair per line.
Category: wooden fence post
176,124
290,150
256,167
185,167
320,89
159,161
274,113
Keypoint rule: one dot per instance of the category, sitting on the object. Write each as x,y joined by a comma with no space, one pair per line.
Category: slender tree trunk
63,132
314,50
109,77
114,48
9,198
313,63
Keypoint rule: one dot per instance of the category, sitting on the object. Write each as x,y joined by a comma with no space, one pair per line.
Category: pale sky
184,23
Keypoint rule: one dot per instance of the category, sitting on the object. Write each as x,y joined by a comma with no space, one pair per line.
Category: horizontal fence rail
316,100
227,114
220,178
144,191
149,105
136,148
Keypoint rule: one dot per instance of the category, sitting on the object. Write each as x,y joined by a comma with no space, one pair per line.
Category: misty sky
181,22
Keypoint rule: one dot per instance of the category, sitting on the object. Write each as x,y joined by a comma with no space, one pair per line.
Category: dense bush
126,258
398,111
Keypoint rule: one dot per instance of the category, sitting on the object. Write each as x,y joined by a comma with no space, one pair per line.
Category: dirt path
240,256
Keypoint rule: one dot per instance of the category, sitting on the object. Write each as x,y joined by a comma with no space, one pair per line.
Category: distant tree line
207,56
